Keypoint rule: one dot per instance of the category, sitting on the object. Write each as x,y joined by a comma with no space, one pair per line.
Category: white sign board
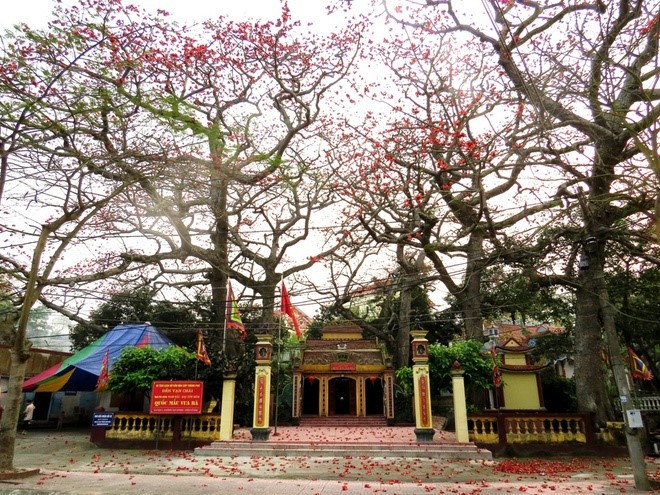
634,418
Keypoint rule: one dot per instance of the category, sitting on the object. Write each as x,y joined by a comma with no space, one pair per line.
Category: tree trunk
402,357
220,260
267,290
470,297
19,356
12,412
590,377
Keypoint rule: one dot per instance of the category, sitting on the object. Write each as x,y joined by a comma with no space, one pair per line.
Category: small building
343,374
521,384
529,335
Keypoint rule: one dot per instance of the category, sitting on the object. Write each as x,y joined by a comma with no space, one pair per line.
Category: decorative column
260,421
422,387
227,411
388,393
323,396
296,401
460,407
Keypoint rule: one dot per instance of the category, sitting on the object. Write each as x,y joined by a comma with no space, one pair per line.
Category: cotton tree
283,227
53,202
442,177
591,71
232,107
55,192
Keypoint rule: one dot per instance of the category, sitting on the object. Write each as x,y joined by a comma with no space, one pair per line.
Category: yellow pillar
460,407
227,411
261,417
422,387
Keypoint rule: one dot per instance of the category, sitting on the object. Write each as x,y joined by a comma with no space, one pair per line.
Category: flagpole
279,349
228,302
224,337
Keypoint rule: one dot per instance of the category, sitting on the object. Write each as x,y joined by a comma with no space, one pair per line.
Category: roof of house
525,335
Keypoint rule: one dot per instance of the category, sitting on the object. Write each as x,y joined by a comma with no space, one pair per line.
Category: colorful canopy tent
80,372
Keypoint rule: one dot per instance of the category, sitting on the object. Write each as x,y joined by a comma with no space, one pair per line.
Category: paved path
70,464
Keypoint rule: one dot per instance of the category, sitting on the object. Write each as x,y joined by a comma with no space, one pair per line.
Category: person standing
27,416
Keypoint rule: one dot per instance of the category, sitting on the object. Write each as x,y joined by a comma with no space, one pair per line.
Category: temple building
343,374
520,378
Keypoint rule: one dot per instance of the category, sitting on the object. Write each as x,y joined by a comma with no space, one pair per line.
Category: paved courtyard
70,464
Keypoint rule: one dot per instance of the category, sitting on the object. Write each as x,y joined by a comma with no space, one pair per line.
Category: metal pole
621,379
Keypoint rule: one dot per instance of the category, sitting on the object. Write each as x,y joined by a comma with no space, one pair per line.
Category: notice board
176,397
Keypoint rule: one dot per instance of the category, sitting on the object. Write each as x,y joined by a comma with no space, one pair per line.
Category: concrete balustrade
513,427
141,426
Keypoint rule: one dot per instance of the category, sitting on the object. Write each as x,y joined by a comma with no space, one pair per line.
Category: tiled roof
520,333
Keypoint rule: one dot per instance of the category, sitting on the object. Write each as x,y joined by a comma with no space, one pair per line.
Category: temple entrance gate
343,374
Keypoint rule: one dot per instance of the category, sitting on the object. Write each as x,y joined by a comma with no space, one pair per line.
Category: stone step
332,449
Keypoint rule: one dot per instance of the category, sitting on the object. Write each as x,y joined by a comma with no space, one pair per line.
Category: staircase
321,437
279,449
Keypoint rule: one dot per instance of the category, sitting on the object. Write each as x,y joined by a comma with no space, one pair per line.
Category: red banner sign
424,402
261,398
343,366
176,397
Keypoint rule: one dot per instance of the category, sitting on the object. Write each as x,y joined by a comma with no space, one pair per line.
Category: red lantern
311,379
373,379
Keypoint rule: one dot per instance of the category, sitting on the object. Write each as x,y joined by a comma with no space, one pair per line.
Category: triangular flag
104,375
233,319
202,355
287,309
637,367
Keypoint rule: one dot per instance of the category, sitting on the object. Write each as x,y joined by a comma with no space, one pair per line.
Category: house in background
39,361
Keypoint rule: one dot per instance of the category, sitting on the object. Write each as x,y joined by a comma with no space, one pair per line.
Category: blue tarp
80,372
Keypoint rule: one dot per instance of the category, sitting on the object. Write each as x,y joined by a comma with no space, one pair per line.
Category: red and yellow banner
424,402
261,402
176,397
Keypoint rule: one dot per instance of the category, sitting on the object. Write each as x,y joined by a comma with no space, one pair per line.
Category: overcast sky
35,12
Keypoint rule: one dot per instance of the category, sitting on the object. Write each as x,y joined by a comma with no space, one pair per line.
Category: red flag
233,318
202,355
638,368
104,375
287,308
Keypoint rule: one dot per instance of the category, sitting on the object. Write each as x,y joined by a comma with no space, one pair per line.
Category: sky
37,12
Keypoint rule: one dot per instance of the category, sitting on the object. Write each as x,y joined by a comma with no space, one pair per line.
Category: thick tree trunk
269,324
220,261
470,297
19,356
590,377
12,412
402,357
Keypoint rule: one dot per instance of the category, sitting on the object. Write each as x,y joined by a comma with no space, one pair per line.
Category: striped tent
80,372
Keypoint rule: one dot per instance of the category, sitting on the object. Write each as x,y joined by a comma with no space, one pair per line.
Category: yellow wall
520,390
514,358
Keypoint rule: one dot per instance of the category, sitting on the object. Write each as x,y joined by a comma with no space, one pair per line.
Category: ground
70,464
